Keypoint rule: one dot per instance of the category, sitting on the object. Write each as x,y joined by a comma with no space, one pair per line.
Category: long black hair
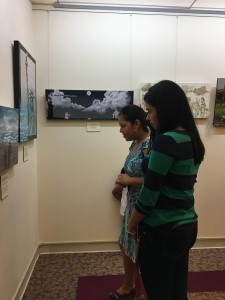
173,110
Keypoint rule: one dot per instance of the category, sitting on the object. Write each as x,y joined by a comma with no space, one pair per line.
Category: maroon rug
98,287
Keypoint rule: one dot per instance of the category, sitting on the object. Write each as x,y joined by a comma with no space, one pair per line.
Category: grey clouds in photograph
86,104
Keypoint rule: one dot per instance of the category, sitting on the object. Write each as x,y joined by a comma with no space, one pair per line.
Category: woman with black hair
164,212
134,127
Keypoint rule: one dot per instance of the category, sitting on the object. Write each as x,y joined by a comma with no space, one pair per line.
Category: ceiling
185,4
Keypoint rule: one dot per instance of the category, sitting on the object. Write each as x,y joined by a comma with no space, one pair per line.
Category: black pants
163,260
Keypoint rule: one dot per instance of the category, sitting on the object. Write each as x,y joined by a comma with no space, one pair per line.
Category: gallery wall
63,192
18,211
92,50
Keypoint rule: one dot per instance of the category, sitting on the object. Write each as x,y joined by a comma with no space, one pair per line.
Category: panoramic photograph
86,104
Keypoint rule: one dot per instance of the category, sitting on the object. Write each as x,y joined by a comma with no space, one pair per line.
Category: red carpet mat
98,287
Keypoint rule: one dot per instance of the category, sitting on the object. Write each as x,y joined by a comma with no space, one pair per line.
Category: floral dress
132,167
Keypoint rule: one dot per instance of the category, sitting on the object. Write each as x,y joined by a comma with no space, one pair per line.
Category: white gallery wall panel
89,50
209,198
200,49
200,58
18,211
76,168
153,48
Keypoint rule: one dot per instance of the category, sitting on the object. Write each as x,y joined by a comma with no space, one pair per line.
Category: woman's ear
137,124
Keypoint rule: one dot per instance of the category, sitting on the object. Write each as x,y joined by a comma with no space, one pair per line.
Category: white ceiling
208,4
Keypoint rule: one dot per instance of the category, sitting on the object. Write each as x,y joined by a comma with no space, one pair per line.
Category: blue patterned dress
132,167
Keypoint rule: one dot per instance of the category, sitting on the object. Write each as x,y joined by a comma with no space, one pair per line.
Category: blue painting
9,122
25,92
86,104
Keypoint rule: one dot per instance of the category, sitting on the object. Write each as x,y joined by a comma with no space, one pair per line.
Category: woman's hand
117,191
123,179
132,232
126,180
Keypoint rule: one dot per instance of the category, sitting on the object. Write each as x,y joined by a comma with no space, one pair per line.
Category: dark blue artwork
86,104
9,122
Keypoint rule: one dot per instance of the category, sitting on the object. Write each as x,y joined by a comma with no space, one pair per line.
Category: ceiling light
136,8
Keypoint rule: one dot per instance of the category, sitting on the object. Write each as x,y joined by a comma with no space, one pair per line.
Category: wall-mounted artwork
198,95
86,104
144,87
25,92
219,110
9,122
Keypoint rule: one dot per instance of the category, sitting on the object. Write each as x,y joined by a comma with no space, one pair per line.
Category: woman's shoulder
171,135
146,143
132,145
178,135
164,141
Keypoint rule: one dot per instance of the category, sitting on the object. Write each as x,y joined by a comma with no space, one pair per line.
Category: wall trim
210,242
24,281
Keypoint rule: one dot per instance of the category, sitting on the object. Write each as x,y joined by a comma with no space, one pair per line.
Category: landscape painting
9,122
219,110
25,92
86,104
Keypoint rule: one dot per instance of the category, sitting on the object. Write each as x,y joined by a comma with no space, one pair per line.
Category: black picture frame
9,137
86,104
25,92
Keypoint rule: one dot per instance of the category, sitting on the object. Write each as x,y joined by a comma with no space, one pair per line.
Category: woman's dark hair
152,130
173,110
133,112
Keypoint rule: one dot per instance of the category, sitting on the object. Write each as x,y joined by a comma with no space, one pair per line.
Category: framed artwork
219,110
198,95
25,92
144,87
86,104
9,135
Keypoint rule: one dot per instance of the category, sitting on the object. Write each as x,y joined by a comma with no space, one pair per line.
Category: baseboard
76,247
202,242
95,246
24,282
106,246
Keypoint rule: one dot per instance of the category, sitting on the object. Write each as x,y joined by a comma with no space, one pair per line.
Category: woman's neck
142,136
180,128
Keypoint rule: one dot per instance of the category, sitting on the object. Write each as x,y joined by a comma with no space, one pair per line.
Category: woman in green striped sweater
164,212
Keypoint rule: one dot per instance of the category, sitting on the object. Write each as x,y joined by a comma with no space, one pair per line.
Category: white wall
76,168
87,50
18,212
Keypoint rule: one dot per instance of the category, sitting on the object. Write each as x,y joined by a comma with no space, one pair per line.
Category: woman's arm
117,191
159,164
134,220
125,180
